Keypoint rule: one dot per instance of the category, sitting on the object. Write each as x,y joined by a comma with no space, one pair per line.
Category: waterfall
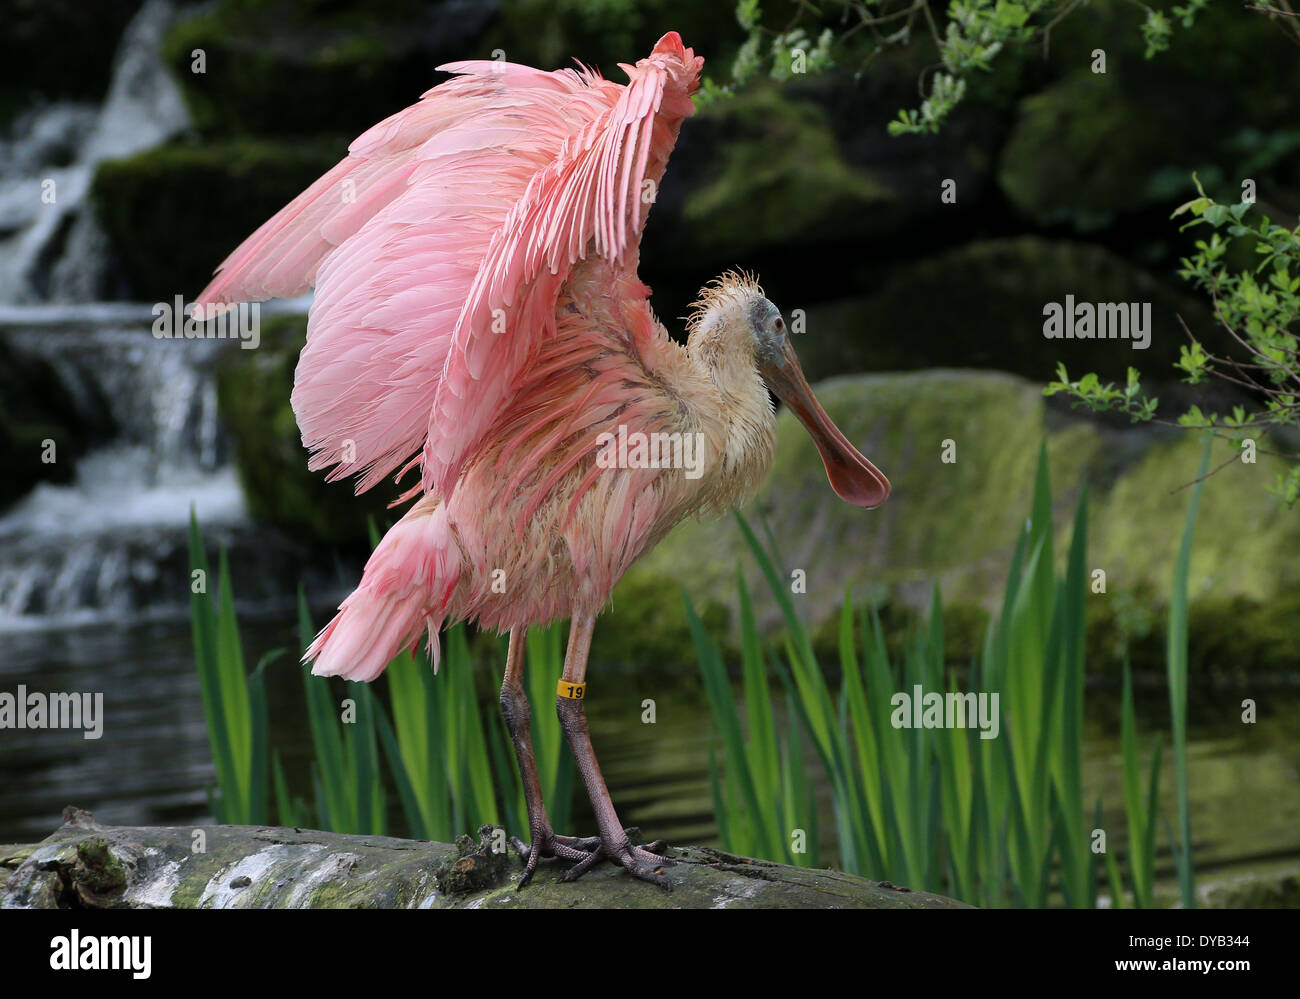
110,546
113,540
51,249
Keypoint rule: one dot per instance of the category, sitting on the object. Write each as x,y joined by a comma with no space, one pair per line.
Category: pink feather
440,249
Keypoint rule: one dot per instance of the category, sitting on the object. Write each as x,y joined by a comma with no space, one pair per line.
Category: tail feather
403,593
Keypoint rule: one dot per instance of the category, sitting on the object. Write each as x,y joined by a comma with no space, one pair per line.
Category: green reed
998,821
445,763
234,702
1176,664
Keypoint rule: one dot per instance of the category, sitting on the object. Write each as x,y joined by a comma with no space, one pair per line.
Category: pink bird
478,317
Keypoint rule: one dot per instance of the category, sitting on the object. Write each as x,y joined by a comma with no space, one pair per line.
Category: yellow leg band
573,691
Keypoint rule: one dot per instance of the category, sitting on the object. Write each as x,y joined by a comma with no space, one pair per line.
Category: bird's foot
644,862
545,843
633,834
586,850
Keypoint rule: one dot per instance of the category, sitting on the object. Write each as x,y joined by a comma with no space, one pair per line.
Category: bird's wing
440,246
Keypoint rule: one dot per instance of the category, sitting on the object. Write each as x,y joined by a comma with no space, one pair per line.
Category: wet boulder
956,522
173,213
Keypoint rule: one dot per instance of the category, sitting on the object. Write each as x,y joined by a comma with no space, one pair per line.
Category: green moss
1228,67
173,213
253,389
782,180
1245,540
956,523
302,67
13,854
98,875
646,622
190,888
1081,153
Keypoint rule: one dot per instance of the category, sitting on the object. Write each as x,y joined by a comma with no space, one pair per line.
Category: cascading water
53,250
94,566
113,541
109,545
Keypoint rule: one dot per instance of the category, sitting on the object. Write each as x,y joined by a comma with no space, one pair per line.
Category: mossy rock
957,523
646,623
1082,153
940,307
1245,539
253,388
313,67
781,178
810,160
173,213
916,167
1232,65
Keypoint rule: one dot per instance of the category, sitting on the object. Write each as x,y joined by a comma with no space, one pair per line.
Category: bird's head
732,315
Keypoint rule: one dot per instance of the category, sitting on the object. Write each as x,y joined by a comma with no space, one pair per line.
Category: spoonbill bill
478,318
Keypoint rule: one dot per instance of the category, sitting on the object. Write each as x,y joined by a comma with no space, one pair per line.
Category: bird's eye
780,324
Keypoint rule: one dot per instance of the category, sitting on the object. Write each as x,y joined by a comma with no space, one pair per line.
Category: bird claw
547,844
640,861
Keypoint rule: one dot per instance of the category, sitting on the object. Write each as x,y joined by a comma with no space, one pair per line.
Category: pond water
152,765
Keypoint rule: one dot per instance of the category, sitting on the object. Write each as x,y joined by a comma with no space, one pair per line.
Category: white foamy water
111,543
112,493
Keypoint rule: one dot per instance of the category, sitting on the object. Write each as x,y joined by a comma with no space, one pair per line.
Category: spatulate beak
854,479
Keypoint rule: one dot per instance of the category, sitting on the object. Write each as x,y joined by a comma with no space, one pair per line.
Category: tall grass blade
1176,660
224,800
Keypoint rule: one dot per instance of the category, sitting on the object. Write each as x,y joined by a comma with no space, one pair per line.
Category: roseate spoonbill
478,316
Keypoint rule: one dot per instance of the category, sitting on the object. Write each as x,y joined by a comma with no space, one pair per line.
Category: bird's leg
518,714
614,842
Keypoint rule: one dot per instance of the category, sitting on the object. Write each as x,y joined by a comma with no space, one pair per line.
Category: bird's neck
739,427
